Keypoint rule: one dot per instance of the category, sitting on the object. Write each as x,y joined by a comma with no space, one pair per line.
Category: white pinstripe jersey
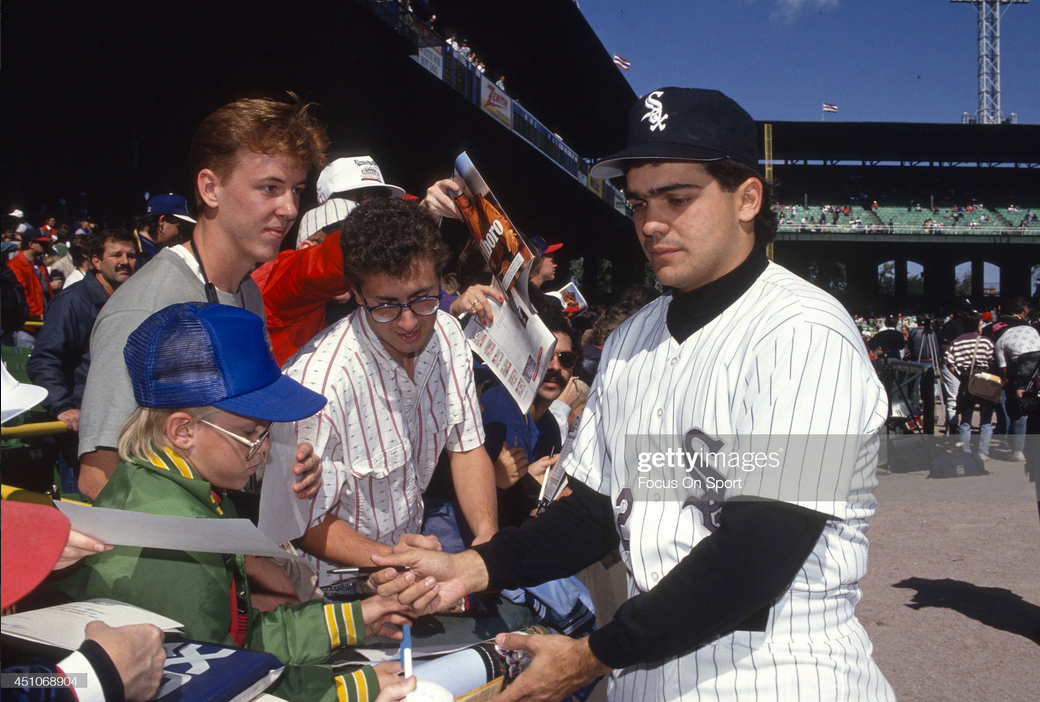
784,358
380,434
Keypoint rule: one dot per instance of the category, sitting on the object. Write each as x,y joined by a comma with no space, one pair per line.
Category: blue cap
196,354
169,204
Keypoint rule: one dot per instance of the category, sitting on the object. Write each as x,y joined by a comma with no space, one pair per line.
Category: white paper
120,527
283,516
518,356
63,625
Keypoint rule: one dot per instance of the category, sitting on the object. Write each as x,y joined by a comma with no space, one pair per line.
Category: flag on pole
827,107
623,64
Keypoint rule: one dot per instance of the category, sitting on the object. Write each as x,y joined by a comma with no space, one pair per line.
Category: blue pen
406,650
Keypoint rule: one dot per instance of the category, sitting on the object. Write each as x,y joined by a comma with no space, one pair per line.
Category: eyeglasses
567,359
421,306
253,445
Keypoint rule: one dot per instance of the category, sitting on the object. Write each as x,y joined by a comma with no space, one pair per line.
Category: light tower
989,57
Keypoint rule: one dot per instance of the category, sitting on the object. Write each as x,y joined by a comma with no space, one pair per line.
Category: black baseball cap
685,124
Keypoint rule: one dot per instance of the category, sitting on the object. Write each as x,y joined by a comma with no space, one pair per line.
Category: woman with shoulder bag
970,357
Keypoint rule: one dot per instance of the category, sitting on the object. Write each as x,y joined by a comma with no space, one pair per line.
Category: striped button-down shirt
381,432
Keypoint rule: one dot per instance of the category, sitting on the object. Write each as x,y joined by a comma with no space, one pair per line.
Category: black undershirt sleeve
722,584
727,582
105,669
572,533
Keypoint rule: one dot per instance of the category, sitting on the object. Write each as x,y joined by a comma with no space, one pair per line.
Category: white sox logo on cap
656,114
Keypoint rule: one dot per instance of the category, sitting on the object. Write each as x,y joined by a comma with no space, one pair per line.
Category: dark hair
891,322
80,248
730,174
98,241
264,126
549,311
971,321
391,237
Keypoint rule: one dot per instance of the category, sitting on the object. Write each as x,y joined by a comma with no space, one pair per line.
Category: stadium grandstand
904,217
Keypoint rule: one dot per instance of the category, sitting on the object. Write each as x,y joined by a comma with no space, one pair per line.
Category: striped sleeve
468,433
359,686
345,623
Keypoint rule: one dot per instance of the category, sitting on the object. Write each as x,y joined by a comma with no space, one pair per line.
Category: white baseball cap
18,397
333,211
352,173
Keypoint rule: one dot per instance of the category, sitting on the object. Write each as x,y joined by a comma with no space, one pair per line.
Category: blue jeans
985,427
1017,433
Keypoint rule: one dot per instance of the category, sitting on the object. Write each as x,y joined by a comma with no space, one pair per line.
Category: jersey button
660,411
655,577
675,360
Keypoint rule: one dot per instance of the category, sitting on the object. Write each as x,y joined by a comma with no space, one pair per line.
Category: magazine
516,345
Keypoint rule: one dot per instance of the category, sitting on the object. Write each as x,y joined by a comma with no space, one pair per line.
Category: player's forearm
474,479
723,582
335,541
572,533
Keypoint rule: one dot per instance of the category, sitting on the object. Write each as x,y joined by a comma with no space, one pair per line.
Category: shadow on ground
995,607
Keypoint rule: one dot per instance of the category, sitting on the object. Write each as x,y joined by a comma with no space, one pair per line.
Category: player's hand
308,467
380,611
395,690
476,299
439,202
137,653
436,581
510,465
70,417
538,468
560,665
79,546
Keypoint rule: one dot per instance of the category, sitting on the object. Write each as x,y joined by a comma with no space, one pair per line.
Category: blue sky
878,60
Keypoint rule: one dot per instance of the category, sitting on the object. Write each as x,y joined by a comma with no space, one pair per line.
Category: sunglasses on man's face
566,359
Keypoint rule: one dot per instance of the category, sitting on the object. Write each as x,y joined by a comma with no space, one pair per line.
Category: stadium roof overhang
552,57
906,143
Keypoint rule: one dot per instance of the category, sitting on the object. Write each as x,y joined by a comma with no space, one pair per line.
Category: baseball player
743,576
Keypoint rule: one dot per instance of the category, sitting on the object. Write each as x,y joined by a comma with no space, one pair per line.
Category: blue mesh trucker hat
196,354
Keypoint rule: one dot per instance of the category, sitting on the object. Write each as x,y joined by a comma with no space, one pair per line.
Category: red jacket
35,294
296,285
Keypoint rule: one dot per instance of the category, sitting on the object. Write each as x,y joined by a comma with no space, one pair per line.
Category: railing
449,65
22,431
986,230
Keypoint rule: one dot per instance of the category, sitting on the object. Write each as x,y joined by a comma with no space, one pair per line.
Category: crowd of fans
1004,341
159,342
826,217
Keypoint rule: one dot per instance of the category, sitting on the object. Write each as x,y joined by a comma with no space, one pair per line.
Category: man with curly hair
399,381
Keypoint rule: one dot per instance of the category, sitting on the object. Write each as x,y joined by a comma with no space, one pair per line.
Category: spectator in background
889,341
27,266
1017,354
953,329
299,283
543,269
80,251
970,353
165,223
61,358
